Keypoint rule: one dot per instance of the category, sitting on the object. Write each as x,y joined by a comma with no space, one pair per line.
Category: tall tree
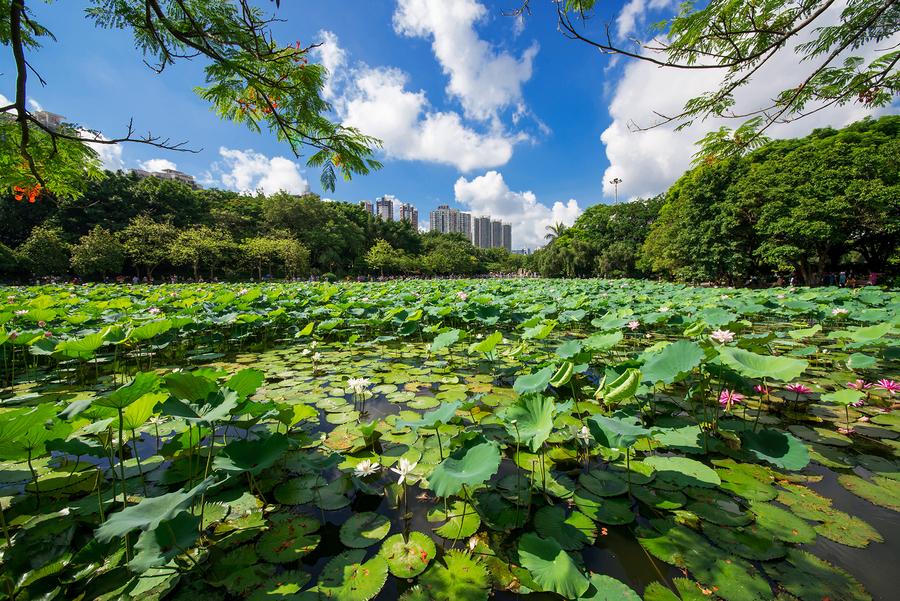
147,242
98,253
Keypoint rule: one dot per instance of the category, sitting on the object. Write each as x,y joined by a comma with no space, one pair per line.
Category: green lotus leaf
845,396
778,448
288,538
603,342
534,382
143,383
687,591
149,513
462,578
551,567
880,491
530,420
488,344
621,389
470,465
722,514
151,329
860,361
607,588
246,382
672,362
442,415
460,520
615,433
286,586
568,349
251,456
364,530
751,365
809,578
408,558
603,484
157,546
348,578
782,524
563,375
750,542
683,471
445,339
190,387
571,532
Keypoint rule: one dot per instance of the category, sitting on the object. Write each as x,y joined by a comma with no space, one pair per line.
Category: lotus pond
449,440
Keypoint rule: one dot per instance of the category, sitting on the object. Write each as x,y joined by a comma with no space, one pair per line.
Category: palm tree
555,231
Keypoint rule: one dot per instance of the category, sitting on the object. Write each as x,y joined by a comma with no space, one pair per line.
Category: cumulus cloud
157,165
379,102
484,80
648,162
248,171
35,105
489,194
634,15
110,154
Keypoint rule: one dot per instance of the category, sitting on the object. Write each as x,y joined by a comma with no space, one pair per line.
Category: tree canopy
801,206
250,78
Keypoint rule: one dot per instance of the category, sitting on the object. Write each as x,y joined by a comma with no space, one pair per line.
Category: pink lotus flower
888,386
761,389
729,398
462,295
859,385
859,403
722,336
798,388
864,418
846,431
48,334
633,325
153,310
13,335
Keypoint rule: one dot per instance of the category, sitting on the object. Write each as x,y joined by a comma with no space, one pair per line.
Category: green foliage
98,254
45,252
147,242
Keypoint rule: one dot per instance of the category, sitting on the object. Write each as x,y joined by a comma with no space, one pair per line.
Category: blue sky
477,109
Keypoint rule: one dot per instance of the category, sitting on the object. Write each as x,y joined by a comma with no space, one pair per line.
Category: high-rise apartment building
384,207
507,236
367,206
496,234
410,213
447,221
482,232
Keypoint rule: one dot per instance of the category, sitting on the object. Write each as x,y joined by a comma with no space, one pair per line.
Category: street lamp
615,182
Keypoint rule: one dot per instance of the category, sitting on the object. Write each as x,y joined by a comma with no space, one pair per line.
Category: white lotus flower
366,467
722,336
584,435
839,311
358,385
22,312
317,356
404,467
663,309
305,352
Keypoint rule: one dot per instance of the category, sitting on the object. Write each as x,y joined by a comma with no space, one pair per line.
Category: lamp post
615,182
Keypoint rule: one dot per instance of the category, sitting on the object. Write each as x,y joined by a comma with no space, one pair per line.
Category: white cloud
378,102
35,105
648,162
634,15
485,81
333,58
489,194
248,171
157,165
110,154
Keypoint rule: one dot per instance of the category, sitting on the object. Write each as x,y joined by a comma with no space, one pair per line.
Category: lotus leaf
407,558
551,567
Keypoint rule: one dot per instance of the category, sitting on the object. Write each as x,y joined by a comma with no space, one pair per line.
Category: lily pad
683,471
570,532
551,567
408,558
289,538
607,588
364,530
881,491
809,578
462,578
348,578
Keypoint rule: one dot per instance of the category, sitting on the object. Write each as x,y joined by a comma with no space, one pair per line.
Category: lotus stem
438,434
137,456
34,479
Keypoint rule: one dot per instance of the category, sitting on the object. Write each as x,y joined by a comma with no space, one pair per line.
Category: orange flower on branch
30,193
